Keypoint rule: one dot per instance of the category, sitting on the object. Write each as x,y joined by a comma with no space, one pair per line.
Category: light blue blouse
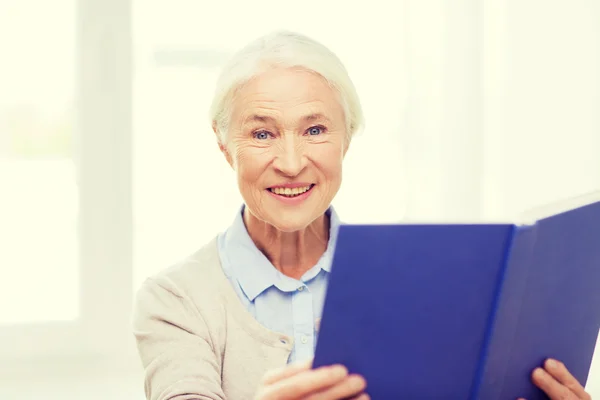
280,303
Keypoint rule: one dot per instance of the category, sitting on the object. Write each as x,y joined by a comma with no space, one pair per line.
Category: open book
465,311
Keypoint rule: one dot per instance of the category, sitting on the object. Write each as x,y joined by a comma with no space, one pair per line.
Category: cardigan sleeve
175,346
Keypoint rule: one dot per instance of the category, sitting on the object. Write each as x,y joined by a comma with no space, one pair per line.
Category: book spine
503,320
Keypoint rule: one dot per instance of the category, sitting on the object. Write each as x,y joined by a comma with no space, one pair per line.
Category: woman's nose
290,159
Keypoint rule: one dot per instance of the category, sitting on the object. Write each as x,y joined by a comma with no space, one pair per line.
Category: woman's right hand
301,382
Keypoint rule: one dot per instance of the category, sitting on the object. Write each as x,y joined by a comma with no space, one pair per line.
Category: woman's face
286,142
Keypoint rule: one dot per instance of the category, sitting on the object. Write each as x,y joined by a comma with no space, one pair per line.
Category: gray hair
284,49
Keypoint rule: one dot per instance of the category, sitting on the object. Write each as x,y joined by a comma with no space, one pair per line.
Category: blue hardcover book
464,311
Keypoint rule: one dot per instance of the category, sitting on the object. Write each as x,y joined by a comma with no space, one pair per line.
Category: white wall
543,131
504,106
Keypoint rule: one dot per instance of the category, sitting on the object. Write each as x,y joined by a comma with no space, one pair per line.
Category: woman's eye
262,135
315,130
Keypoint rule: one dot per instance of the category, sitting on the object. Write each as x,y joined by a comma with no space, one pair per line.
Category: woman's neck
292,253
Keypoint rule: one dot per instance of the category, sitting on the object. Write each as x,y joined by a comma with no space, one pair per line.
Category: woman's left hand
558,383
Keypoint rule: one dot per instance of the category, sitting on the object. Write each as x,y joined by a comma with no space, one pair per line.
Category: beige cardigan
195,338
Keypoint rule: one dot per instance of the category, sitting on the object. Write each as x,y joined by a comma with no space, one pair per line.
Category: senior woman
239,318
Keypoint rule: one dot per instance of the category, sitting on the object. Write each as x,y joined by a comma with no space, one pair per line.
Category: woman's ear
346,146
222,146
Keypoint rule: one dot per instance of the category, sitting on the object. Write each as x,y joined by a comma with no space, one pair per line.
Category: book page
530,217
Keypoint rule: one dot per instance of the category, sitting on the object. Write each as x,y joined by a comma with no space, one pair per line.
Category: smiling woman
284,115
239,318
176,158
277,155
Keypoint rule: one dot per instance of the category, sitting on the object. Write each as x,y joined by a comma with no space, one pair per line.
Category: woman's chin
288,226
289,214
292,220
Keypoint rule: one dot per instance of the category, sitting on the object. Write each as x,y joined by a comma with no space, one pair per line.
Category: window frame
103,158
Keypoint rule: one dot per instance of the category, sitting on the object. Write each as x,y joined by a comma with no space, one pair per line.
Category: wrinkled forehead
286,95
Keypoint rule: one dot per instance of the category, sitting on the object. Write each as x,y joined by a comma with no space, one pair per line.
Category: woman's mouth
291,192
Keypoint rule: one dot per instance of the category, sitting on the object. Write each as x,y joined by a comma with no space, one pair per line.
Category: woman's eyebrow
258,118
268,119
315,117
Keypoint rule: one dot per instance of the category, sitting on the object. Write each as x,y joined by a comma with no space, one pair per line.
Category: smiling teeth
289,192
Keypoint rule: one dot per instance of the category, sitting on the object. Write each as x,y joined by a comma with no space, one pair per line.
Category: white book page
530,217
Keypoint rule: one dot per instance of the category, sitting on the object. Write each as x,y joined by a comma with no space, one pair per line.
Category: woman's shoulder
199,273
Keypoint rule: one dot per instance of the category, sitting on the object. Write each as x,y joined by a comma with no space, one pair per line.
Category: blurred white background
109,170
